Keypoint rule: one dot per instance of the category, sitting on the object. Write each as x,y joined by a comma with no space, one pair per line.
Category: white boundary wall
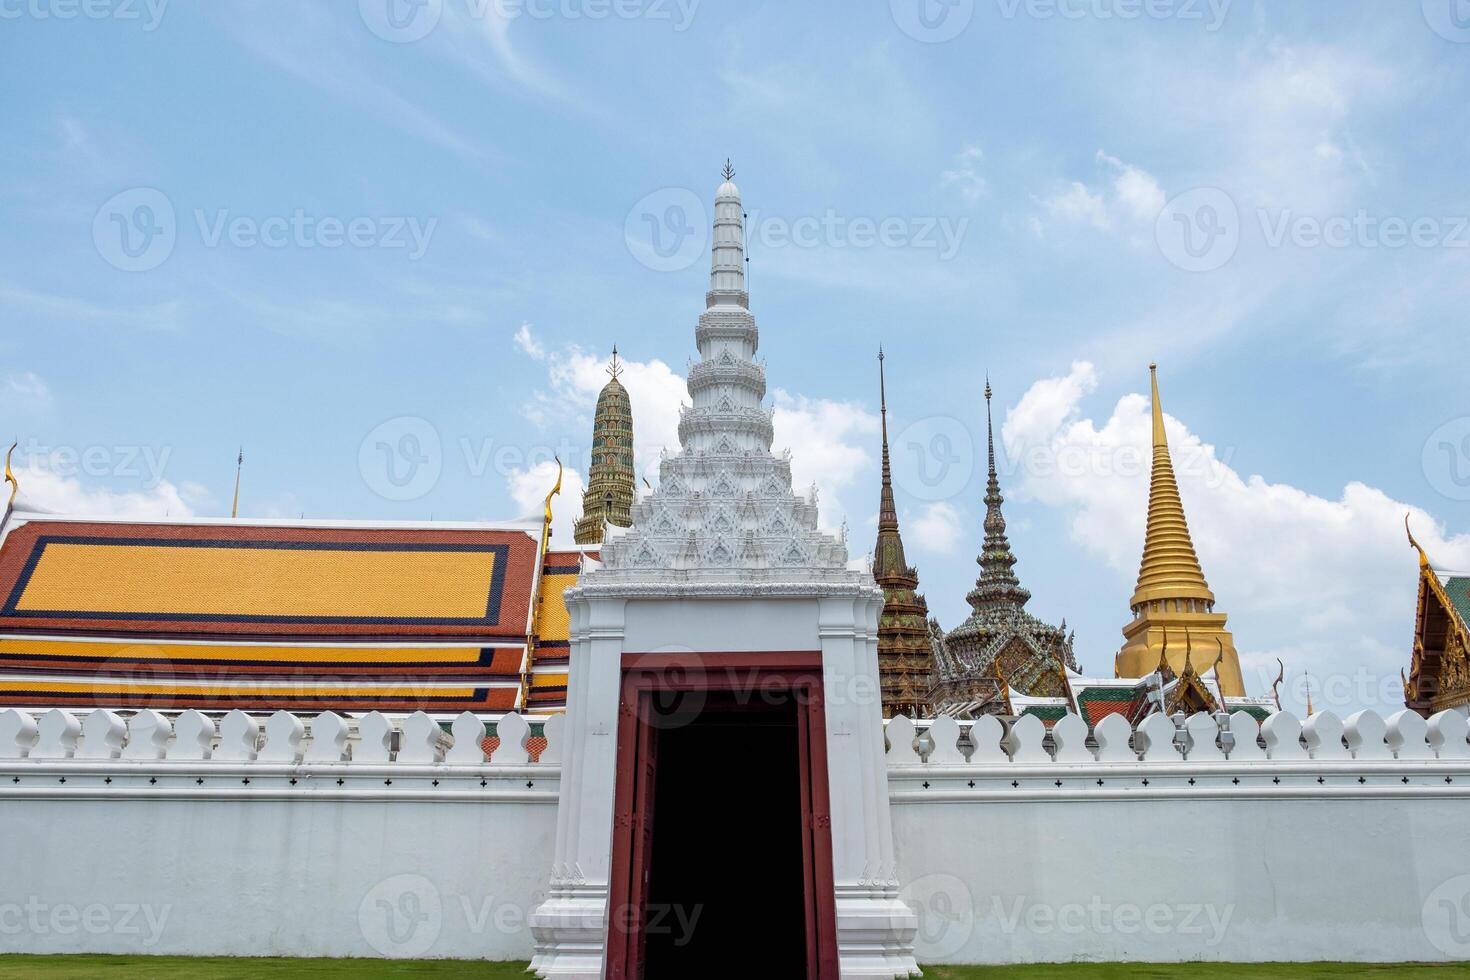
141,839
1324,841
1337,843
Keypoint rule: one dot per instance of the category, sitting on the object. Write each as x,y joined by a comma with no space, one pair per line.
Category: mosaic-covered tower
1001,645
609,496
905,651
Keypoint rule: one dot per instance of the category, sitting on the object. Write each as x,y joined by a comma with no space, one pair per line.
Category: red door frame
644,674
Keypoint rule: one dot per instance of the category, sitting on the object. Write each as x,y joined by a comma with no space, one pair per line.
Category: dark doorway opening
722,827
727,890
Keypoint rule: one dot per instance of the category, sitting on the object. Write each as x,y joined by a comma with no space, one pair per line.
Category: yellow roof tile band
231,581
549,680
553,621
270,654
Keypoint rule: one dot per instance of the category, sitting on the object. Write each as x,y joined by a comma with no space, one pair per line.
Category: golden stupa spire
1172,593
1170,569
239,465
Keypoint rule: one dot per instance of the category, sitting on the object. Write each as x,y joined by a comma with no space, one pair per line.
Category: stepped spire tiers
609,496
1172,592
1000,639
905,652
724,509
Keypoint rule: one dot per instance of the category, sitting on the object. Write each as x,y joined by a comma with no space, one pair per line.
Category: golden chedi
1172,596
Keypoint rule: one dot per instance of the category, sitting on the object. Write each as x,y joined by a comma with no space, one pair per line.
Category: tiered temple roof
905,650
1439,675
261,616
1000,648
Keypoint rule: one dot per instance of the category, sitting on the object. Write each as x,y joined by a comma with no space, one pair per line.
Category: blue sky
381,241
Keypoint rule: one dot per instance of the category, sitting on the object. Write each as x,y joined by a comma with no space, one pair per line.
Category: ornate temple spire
610,482
724,512
889,557
1170,569
1172,592
1000,639
998,584
905,650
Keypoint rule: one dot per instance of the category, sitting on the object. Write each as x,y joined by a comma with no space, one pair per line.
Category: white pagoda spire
727,256
725,505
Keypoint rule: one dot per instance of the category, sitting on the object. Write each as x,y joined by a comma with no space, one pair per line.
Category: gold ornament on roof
10,475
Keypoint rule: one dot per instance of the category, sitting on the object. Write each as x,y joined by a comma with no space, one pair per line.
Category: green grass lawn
148,968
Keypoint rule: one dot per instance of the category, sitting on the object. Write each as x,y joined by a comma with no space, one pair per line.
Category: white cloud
1078,204
966,175
1135,190
830,446
25,391
1328,585
529,487
1131,198
937,528
43,488
576,378
528,343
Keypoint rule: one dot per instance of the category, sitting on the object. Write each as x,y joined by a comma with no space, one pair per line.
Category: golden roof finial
1276,687
1423,556
1408,688
239,465
1005,687
1310,710
10,475
1188,653
1170,569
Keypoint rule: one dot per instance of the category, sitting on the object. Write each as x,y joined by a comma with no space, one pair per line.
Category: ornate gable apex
1439,671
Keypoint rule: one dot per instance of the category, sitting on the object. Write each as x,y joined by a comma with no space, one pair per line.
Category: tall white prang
724,510
725,558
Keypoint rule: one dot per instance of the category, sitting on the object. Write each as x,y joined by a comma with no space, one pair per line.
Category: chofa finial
729,171
10,475
1413,543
